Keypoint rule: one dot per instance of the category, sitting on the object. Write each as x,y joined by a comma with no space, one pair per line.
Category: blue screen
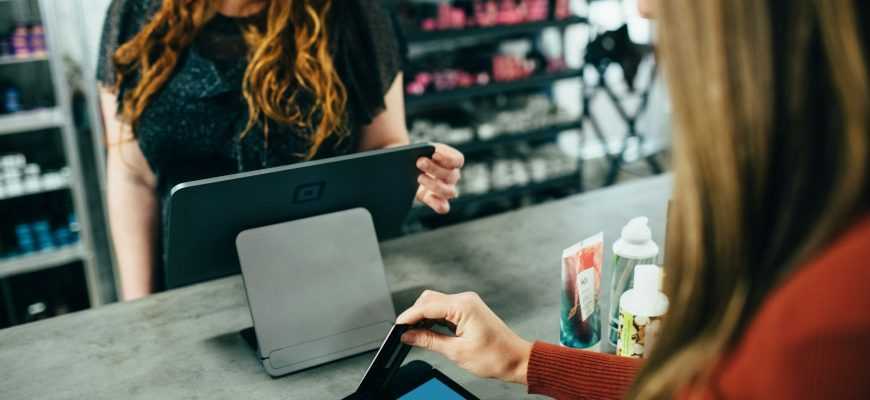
432,389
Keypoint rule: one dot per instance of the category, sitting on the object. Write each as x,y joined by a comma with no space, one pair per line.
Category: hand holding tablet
440,174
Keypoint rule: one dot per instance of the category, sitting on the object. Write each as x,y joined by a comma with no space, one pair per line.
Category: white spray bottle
640,313
634,247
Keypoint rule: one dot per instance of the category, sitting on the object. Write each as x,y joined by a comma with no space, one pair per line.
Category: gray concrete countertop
185,343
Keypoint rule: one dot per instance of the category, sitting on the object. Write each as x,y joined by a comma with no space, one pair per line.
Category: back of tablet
206,215
316,289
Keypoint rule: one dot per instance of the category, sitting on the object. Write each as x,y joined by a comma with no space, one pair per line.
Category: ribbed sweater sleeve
564,373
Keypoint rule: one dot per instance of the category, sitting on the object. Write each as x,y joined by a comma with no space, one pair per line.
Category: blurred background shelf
40,261
534,135
419,37
46,138
416,103
12,60
4,196
32,120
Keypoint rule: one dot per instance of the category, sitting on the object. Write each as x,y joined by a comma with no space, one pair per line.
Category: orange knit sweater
810,340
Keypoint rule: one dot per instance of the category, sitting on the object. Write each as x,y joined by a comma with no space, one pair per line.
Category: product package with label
640,313
581,285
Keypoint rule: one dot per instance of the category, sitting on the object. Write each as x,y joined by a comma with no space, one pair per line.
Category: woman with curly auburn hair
201,88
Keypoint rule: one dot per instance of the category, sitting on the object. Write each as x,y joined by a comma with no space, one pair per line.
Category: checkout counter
185,343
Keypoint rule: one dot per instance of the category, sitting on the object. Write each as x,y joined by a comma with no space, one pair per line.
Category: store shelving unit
547,133
417,103
9,60
55,120
420,37
414,103
63,187
43,260
32,120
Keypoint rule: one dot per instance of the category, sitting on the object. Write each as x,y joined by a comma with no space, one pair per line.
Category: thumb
430,340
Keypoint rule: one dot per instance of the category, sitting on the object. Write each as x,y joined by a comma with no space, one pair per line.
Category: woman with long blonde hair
768,265
200,88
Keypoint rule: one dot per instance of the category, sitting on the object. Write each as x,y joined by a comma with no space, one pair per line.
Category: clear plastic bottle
634,247
640,313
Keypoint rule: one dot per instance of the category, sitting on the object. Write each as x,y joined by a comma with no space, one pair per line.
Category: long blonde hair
289,59
771,155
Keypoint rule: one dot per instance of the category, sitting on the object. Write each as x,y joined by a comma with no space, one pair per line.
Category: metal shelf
40,261
65,186
418,102
34,120
539,134
418,36
59,119
11,60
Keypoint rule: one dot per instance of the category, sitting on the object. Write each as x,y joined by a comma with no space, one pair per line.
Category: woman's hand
483,344
645,8
439,177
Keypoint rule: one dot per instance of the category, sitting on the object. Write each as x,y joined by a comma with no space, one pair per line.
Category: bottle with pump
640,312
634,247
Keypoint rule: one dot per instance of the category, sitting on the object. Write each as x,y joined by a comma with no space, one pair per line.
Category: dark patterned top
191,129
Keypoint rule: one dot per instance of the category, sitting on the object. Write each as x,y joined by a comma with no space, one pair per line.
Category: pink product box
489,13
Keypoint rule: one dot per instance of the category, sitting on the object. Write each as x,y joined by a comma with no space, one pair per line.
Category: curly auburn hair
289,57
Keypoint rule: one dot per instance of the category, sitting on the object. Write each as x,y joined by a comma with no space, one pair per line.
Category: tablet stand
316,290
250,337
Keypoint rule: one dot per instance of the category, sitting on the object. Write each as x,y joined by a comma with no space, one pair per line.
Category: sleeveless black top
191,129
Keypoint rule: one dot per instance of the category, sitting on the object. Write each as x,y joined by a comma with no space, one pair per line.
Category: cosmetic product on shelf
535,115
40,236
460,14
475,179
529,113
563,9
19,178
13,186
486,13
503,69
43,235
64,236
536,165
23,41
73,226
19,40
537,10
11,161
11,99
507,68
554,162
427,131
45,224
36,40
36,312
24,236
507,173
476,66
